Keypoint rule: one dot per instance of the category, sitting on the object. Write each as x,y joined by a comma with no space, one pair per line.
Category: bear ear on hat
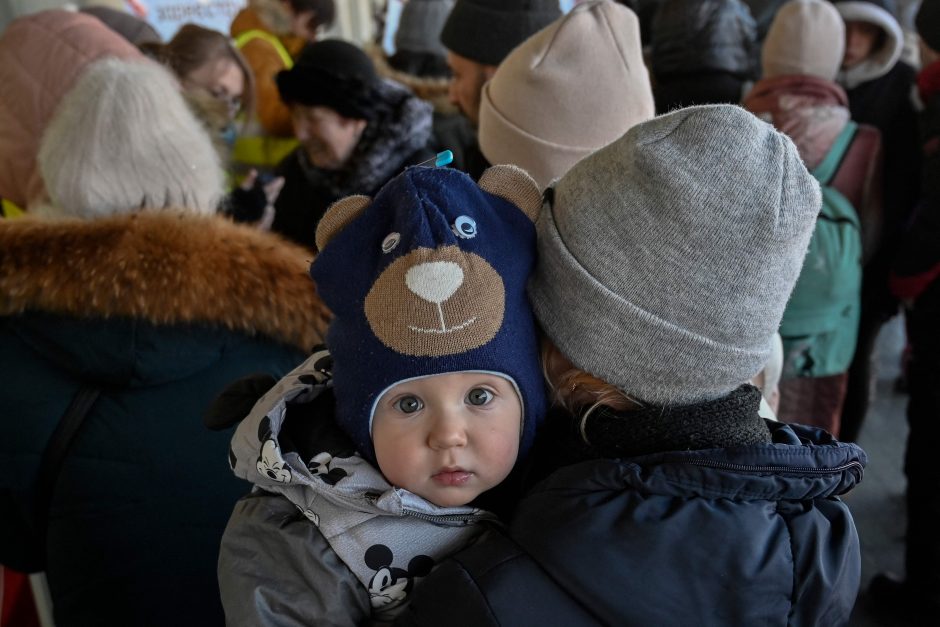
514,184
340,214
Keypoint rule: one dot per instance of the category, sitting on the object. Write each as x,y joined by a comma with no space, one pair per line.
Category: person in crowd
533,112
879,88
420,62
702,52
130,27
57,45
914,280
436,392
219,86
270,35
356,132
798,94
127,305
478,34
764,12
665,261
214,76
418,47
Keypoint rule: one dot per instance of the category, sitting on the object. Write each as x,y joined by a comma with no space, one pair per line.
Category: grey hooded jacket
323,539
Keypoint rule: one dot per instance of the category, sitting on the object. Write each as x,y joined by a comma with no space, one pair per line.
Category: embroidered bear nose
434,281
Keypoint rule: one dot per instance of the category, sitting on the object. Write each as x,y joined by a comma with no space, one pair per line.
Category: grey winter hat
667,257
486,31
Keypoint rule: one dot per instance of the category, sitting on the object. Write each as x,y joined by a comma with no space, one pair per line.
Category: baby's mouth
452,476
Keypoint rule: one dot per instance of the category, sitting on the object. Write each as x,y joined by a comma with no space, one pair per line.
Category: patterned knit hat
429,278
486,30
666,258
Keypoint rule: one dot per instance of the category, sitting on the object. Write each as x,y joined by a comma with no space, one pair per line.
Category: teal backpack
820,323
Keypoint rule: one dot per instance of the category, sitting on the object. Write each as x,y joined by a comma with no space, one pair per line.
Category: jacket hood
884,58
320,464
428,88
56,46
164,269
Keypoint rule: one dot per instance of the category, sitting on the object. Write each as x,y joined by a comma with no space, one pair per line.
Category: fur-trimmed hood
166,268
430,89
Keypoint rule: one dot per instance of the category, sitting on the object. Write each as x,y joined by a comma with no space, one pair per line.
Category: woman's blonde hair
578,391
194,46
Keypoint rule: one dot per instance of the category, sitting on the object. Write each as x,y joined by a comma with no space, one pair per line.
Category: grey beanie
420,24
667,257
486,31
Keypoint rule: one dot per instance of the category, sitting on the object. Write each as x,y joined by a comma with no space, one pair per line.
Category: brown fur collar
433,90
166,268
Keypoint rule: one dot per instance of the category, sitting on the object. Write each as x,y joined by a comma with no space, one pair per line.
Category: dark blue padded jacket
752,535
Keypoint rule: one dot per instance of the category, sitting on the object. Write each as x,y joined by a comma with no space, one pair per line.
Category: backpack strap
826,170
54,454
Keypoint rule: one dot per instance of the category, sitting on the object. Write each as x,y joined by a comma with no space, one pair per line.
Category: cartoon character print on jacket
320,467
270,463
389,587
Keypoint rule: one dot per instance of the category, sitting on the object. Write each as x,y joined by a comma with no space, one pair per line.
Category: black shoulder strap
56,449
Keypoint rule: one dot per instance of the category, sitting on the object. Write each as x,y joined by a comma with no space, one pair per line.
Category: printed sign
168,15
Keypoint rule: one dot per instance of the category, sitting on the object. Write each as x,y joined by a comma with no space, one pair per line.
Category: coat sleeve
277,569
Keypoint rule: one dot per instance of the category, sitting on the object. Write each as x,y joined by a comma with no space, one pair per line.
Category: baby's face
448,438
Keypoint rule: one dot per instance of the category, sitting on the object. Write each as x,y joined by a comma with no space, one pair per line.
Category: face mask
229,134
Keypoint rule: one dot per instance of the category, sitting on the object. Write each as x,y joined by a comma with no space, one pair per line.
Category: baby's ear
515,185
340,213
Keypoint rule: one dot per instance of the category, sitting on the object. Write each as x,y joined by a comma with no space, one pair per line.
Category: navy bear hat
430,278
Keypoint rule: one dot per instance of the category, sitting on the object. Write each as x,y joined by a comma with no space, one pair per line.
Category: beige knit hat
123,139
570,89
807,37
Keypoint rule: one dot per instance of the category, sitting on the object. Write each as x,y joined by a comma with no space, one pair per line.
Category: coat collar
167,268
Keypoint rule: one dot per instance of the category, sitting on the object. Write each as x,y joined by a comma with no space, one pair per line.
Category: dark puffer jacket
158,313
692,36
736,535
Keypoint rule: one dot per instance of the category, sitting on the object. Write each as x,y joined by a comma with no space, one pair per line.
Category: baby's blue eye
409,404
479,396
465,227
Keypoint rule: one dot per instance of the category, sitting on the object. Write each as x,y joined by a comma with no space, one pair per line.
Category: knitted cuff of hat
727,422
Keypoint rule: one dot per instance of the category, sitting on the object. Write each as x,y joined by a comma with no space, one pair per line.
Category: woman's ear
514,184
340,213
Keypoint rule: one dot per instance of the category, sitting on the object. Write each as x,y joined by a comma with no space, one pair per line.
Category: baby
430,394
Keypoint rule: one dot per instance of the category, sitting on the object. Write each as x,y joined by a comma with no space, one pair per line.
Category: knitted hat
332,73
420,24
807,37
427,279
928,23
486,30
666,258
122,140
534,112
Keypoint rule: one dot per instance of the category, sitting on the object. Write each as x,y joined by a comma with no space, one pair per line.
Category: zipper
787,469
446,518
